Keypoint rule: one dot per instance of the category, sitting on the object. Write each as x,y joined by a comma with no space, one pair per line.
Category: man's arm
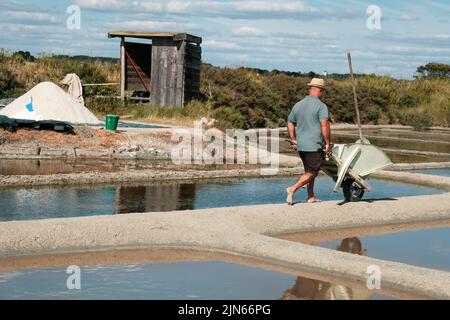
292,136
326,132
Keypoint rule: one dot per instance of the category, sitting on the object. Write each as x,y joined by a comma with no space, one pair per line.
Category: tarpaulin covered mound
47,101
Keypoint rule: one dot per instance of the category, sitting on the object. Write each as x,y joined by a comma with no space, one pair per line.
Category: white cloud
238,58
220,44
149,6
235,9
383,70
243,57
247,32
296,54
178,6
103,4
414,37
405,17
156,25
441,37
365,54
271,6
29,17
119,5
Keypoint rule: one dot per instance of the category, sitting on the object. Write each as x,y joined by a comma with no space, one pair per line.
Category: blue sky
287,35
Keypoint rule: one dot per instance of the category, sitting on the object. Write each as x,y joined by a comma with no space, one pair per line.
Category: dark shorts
312,161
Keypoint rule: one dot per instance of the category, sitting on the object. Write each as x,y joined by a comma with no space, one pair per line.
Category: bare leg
311,197
305,179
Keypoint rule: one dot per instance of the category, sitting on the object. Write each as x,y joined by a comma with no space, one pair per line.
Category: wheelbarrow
350,165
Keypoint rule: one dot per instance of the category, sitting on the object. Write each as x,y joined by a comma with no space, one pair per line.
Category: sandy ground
86,142
84,137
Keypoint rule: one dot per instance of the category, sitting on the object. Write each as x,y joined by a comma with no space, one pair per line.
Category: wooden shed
166,71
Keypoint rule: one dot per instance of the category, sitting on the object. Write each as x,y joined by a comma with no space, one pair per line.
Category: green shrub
140,110
229,118
9,87
418,118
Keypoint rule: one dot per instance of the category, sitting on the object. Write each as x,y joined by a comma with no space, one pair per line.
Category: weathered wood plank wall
167,75
192,71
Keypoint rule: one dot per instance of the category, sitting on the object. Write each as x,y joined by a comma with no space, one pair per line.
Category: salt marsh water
425,248
445,172
42,203
182,280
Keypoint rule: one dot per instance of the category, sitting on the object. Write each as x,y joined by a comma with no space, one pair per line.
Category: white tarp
75,88
47,101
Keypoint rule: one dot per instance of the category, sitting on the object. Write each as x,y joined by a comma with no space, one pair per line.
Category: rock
207,122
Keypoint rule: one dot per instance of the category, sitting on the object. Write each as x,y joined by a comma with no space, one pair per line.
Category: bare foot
290,196
314,200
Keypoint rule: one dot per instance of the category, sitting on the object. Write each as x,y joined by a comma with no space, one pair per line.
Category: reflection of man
311,289
309,129
352,245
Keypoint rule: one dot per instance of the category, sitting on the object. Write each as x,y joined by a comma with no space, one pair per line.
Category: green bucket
112,122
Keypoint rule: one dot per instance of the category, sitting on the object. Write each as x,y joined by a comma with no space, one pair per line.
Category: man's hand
294,145
328,149
326,133
292,136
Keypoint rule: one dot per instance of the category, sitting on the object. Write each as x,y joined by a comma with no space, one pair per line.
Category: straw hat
318,83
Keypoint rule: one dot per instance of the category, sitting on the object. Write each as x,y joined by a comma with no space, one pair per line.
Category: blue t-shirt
306,116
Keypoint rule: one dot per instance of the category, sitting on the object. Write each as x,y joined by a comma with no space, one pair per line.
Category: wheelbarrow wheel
352,191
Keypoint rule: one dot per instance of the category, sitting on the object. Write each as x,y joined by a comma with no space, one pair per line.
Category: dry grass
179,121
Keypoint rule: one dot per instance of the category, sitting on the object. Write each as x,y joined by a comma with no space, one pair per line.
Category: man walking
309,131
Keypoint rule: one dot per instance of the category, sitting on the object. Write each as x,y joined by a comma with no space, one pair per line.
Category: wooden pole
358,119
122,68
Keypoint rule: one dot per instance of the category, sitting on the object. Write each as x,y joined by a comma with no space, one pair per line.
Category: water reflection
57,166
311,289
47,202
46,167
155,198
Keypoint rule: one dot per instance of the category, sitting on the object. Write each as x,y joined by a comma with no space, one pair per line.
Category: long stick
358,119
135,67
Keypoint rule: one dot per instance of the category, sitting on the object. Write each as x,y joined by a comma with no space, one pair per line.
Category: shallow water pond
444,172
41,203
425,248
182,280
